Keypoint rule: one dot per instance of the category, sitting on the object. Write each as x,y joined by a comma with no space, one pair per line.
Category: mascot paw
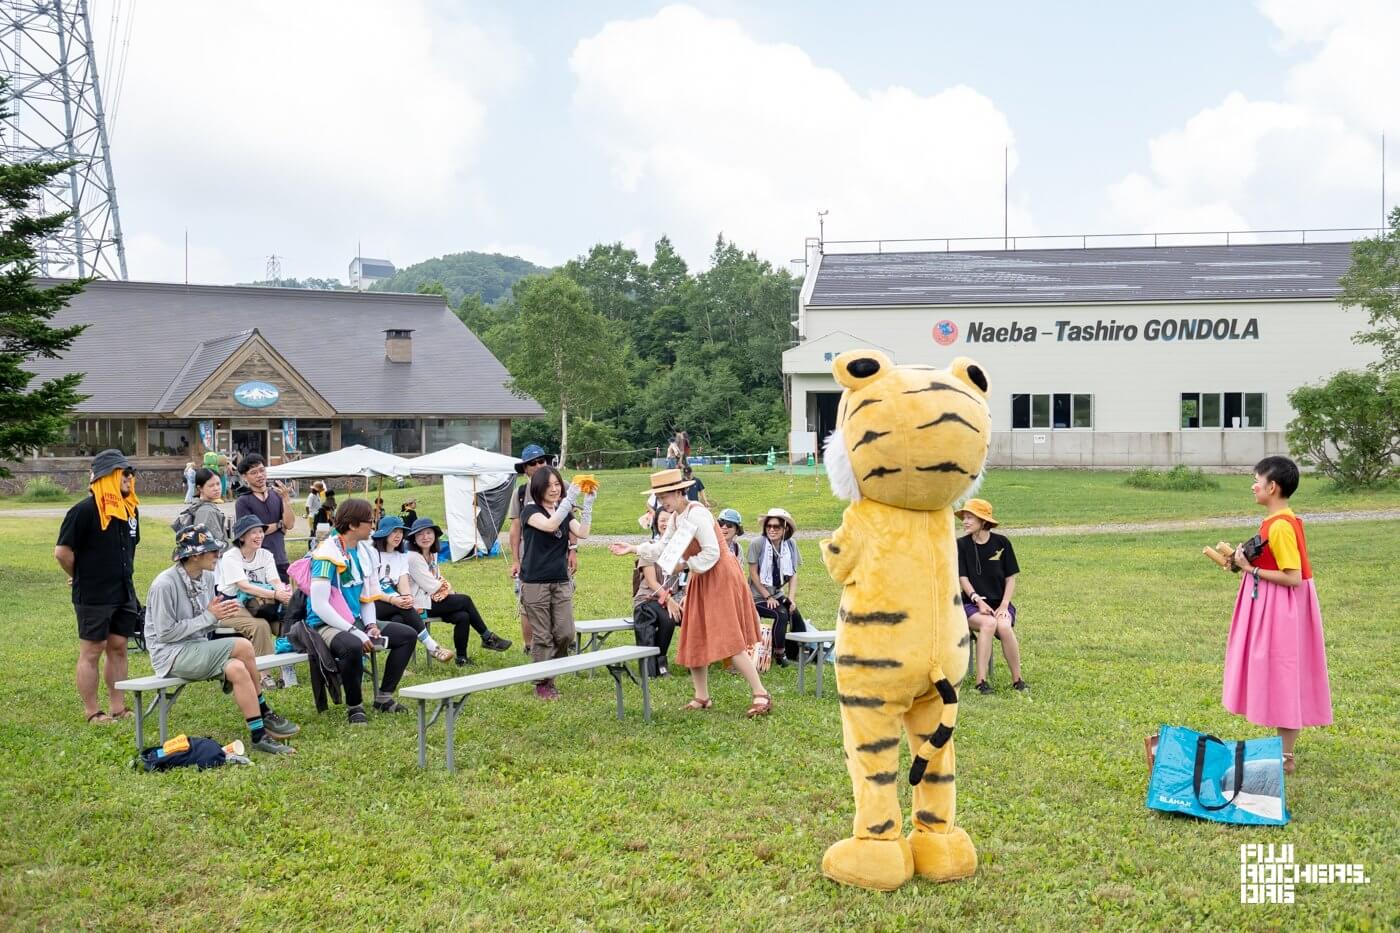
943,856
879,864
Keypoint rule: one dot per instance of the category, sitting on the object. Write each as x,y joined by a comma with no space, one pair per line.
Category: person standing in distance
531,459
97,550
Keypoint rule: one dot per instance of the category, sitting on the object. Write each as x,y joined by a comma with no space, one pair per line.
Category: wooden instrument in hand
1223,554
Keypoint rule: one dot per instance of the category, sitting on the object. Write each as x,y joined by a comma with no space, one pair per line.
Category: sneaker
493,642
390,705
463,660
279,728
663,671
269,682
356,715
1021,685
983,687
272,747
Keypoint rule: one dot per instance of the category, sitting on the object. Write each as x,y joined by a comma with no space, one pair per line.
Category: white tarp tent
355,460
475,489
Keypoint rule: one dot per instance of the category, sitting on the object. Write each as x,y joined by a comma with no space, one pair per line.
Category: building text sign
1101,331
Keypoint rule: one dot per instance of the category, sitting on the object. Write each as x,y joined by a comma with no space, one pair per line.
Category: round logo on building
945,333
256,394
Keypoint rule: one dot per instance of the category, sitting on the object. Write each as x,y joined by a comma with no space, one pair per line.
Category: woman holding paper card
546,589
720,620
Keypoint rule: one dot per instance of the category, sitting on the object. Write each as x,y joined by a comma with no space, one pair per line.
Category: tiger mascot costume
910,442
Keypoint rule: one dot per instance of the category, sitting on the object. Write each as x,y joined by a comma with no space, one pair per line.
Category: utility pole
56,115
821,230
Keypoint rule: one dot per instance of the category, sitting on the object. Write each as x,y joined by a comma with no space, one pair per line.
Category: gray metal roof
1072,276
147,343
203,360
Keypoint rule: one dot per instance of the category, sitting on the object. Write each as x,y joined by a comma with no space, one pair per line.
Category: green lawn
562,818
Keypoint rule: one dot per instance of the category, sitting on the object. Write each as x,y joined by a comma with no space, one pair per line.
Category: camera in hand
1252,549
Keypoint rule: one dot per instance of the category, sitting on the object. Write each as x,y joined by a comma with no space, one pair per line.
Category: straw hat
980,508
783,516
668,481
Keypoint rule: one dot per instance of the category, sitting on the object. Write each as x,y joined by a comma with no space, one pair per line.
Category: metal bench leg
140,723
422,733
646,689
821,663
617,678
452,734
802,670
164,709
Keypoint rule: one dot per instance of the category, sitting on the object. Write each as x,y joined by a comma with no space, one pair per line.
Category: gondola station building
171,371
1097,357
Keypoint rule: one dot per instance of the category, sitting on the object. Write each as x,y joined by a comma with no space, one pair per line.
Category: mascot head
912,437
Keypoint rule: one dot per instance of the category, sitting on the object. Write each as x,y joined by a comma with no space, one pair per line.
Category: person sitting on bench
247,576
387,553
987,571
347,624
773,564
657,603
182,610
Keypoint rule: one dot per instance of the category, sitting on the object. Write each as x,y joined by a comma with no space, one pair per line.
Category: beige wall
1136,384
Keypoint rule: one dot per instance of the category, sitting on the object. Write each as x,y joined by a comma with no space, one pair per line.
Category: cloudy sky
421,127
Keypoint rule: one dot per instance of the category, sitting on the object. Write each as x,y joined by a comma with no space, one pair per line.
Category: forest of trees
624,353
486,275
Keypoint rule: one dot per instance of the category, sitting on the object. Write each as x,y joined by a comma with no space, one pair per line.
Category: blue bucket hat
531,452
387,525
423,524
733,517
244,525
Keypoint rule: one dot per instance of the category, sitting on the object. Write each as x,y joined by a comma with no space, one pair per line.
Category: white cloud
1309,159
717,130
302,127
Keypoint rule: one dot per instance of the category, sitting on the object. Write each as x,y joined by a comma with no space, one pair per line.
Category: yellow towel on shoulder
107,490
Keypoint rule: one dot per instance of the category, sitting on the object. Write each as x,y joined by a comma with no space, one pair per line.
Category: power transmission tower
56,115
274,269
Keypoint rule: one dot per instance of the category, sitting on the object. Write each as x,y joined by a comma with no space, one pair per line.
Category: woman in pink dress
1275,661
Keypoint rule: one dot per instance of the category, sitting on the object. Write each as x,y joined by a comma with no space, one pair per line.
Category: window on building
1051,410
1222,410
313,436
391,435
168,438
87,436
484,433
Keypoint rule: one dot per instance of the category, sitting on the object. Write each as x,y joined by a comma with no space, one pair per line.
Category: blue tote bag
1228,782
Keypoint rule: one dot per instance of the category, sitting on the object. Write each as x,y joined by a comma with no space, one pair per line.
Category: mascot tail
946,722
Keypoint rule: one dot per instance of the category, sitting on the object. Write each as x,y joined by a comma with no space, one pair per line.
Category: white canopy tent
475,489
355,460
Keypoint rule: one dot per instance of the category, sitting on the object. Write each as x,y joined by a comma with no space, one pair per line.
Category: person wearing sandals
773,564
720,620
433,596
96,549
338,577
247,575
546,588
987,571
387,552
182,608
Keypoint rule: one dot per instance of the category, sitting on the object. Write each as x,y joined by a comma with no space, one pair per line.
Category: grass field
560,817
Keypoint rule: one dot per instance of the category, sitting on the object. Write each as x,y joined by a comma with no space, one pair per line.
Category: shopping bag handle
1201,765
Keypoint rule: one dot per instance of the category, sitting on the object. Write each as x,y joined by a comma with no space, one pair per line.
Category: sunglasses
772,526
728,525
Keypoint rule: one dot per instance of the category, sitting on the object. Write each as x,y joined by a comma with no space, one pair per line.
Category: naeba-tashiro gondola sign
1100,331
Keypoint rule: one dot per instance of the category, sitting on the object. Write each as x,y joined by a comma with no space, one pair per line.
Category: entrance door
250,442
827,403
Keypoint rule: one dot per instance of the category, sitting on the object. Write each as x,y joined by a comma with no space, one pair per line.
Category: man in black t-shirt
97,550
987,572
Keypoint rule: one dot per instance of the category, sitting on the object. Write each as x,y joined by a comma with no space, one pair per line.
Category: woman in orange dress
720,620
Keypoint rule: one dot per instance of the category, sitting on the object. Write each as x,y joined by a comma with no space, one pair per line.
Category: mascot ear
855,368
969,372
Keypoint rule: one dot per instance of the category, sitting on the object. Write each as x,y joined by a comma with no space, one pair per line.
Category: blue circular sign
256,395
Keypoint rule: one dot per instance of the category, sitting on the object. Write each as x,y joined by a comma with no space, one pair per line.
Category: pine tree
36,416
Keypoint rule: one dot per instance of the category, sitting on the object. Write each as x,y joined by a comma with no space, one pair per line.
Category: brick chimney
398,346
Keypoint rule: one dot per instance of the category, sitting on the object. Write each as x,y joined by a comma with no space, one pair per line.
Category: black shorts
95,623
